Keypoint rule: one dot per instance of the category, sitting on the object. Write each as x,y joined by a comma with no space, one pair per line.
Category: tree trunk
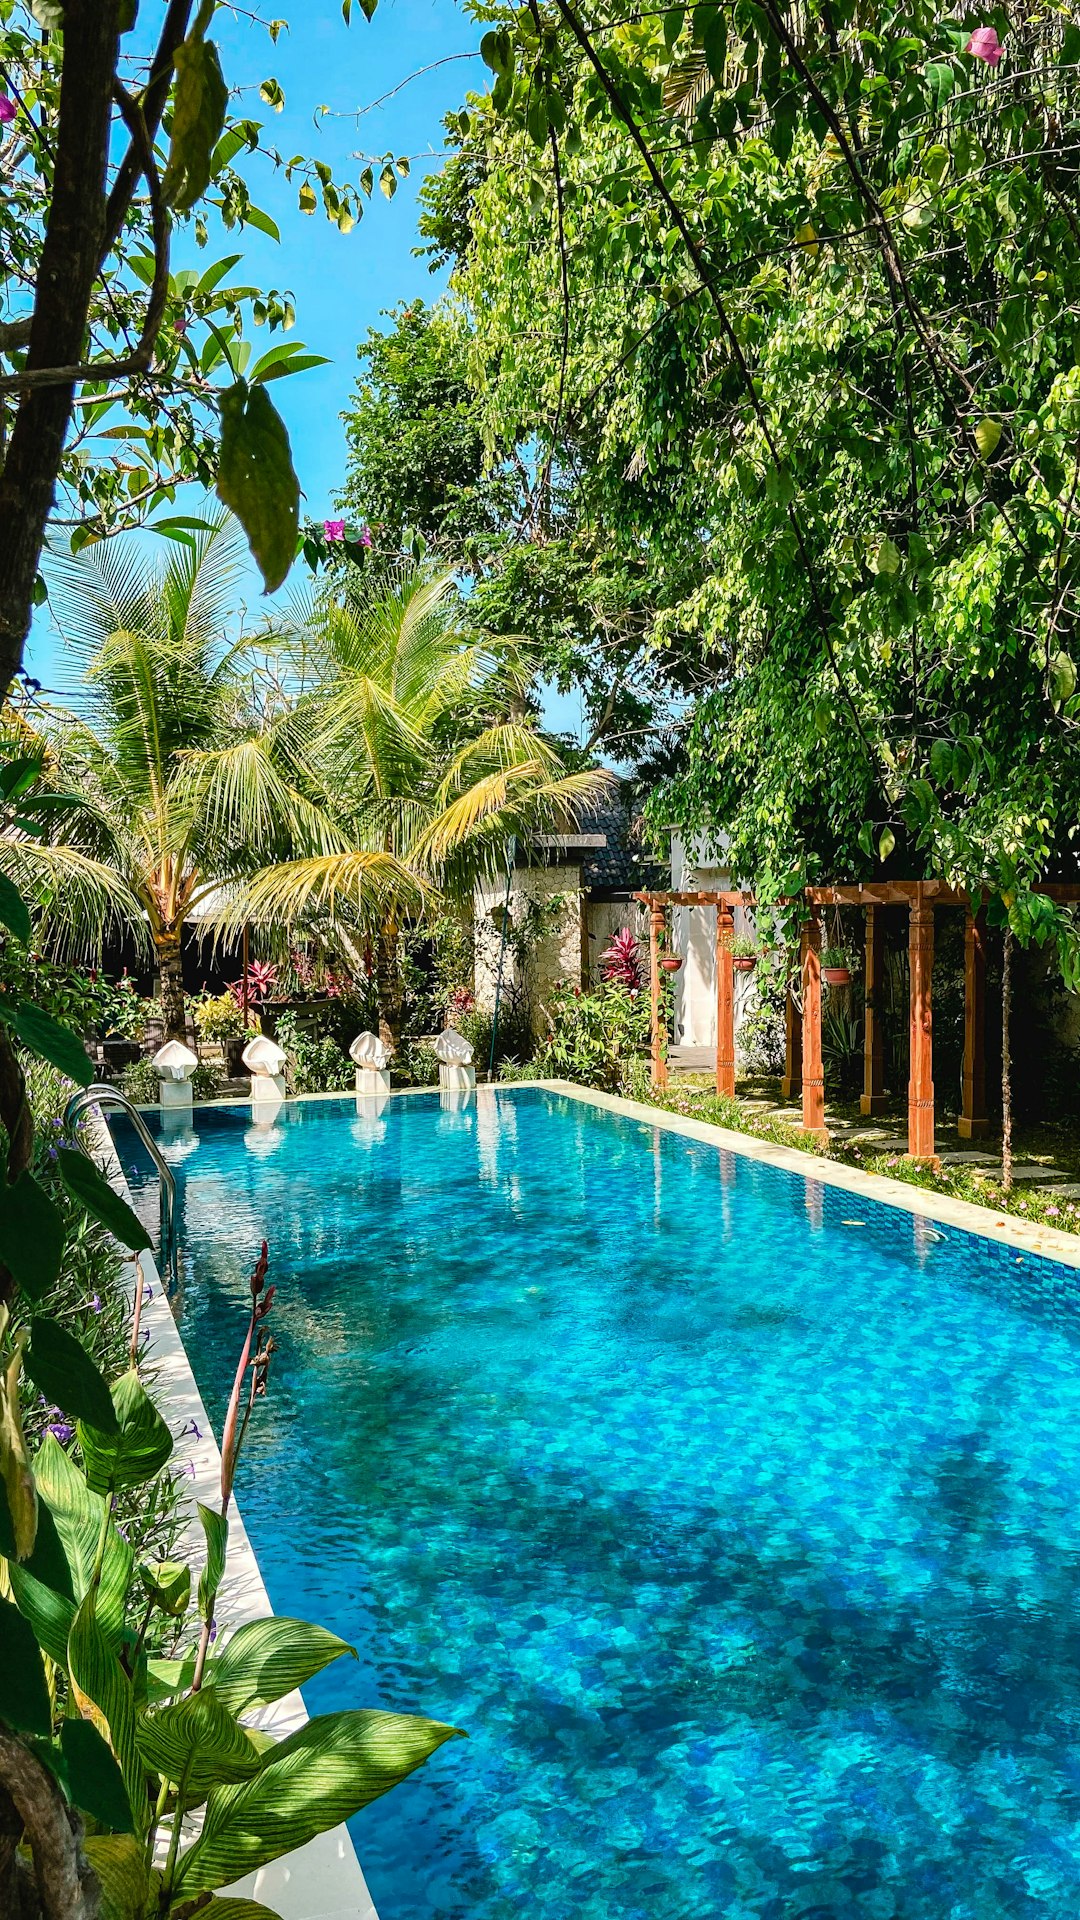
60,1885
1006,1064
389,992
171,978
68,266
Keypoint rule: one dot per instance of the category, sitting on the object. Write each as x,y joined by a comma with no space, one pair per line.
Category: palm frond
358,886
78,901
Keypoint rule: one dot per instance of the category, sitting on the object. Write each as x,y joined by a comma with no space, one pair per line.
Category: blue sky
341,283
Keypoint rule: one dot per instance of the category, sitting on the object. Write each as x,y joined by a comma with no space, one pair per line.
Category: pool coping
1030,1236
322,1880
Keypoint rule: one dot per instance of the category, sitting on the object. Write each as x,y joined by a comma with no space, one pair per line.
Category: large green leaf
14,913
166,1678
93,1780
167,1584
119,1863
43,1035
104,1695
320,1775
50,1614
266,1659
200,101
137,1451
77,1514
59,1364
31,1235
226,1907
196,1741
87,1184
257,480
48,1562
216,1528
20,1492
24,1696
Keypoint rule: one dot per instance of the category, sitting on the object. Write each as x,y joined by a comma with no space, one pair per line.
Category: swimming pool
735,1519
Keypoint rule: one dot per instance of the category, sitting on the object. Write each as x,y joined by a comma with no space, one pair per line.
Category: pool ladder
101,1095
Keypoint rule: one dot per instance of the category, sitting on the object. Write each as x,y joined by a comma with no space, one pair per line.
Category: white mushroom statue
265,1061
371,1057
454,1054
174,1065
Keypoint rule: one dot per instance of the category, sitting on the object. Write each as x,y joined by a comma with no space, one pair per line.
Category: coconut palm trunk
171,983
389,991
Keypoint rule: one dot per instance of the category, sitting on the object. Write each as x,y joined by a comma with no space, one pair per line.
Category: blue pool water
735,1519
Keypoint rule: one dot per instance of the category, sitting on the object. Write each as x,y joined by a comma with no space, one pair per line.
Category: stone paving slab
969,1160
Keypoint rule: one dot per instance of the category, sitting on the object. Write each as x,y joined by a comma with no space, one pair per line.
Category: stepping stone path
970,1160
1069,1192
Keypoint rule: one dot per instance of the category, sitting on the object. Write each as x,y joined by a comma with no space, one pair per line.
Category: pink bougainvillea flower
365,537
985,45
334,529
8,109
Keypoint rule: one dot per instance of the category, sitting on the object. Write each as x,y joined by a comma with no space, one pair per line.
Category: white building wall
700,868
557,957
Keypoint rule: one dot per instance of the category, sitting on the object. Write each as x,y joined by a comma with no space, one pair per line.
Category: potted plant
744,954
835,967
671,962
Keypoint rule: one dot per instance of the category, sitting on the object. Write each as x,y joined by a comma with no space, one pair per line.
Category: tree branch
67,1889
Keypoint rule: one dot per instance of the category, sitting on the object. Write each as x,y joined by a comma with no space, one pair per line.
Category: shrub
416,1066
595,1036
621,964
219,1018
316,1064
140,1083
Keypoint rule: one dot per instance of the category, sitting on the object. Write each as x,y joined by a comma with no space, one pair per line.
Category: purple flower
7,109
59,1125
213,1631
985,45
194,1429
95,1303
52,1153
364,537
61,1431
148,1293
334,529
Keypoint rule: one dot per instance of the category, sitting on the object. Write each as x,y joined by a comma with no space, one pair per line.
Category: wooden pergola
804,1070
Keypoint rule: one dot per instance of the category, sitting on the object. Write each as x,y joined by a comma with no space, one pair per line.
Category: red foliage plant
621,963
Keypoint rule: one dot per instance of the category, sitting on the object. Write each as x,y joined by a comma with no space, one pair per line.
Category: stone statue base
372,1080
175,1095
454,1079
267,1091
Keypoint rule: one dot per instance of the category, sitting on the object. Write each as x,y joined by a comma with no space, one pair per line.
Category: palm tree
417,745
185,766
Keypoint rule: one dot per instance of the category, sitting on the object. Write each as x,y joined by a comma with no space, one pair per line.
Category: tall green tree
185,767
419,754
805,291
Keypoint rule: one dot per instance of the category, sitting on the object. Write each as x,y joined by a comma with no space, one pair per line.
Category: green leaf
168,1584
197,1742
95,1783
24,1696
388,181
273,93
15,1470
43,1035
119,1863
941,760
887,558
14,912
31,1235
1062,677
216,1528
48,1561
137,1451
200,100
266,1659
321,1775
224,1907
69,1531
59,1364
87,1184
104,1695
987,436
18,776
886,843
256,478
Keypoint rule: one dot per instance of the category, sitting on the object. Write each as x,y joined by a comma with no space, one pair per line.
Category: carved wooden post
725,1001
973,1123
791,1084
873,1093
813,1070
656,934
921,1081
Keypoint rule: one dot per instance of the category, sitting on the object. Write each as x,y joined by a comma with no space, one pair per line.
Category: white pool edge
322,1880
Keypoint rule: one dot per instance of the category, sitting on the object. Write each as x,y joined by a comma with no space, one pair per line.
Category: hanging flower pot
744,962
671,962
836,976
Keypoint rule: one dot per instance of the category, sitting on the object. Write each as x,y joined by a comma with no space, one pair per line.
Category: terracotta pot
744,962
670,962
836,976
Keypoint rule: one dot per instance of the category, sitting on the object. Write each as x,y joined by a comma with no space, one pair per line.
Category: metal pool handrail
100,1095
